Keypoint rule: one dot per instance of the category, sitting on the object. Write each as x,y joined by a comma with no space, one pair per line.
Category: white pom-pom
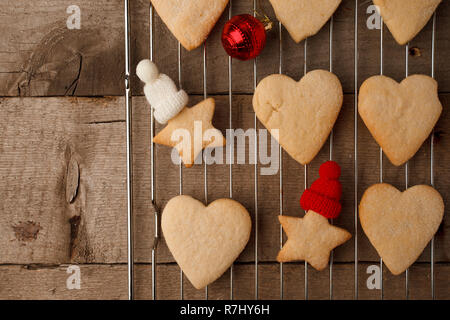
147,71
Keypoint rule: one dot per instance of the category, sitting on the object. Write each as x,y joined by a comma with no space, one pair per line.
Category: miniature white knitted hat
161,92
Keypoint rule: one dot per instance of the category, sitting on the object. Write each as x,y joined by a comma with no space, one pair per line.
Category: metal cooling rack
128,106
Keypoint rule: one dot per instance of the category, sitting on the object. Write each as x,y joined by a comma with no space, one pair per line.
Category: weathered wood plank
42,57
64,137
55,132
39,138
110,282
97,282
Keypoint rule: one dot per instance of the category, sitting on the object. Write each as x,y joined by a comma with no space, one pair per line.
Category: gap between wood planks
195,94
37,266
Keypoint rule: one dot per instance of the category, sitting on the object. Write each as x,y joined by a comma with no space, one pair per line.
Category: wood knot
26,231
437,136
72,180
415,52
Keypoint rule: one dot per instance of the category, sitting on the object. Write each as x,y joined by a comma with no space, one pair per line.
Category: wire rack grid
128,106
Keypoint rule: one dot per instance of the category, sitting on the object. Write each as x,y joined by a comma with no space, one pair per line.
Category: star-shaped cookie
191,131
310,238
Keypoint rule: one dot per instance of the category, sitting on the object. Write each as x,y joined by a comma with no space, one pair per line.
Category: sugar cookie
304,112
400,224
190,21
400,116
205,240
304,18
405,18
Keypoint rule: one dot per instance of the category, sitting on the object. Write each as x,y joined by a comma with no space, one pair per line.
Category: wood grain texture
40,143
62,159
41,57
53,131
110,282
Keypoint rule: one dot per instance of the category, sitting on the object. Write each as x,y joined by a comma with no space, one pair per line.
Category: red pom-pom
324,194
330,170
243,37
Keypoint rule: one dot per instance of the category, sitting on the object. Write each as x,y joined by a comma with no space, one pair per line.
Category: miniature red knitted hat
324,194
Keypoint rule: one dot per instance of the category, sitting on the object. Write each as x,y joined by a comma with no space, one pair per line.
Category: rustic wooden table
62,154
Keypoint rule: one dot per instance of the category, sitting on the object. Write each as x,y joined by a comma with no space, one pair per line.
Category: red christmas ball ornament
244,37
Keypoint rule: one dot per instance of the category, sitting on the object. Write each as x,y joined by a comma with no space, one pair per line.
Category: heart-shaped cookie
400,224
304,18
190,21
405,18
400,116
303,112
205,240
